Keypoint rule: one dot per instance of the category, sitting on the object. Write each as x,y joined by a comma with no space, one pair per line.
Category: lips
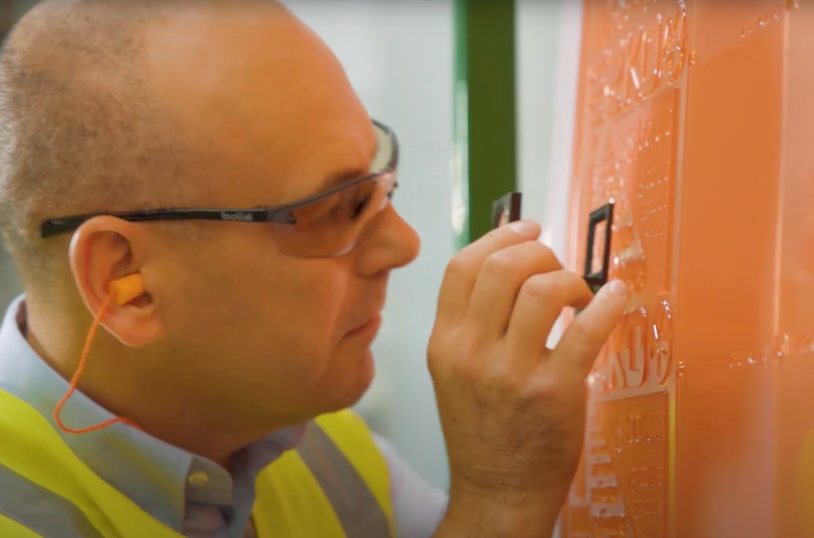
370,326
368,309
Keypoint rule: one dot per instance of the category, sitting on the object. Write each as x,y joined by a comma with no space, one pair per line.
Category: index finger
462,271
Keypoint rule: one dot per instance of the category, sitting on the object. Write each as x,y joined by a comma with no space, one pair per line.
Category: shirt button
198,479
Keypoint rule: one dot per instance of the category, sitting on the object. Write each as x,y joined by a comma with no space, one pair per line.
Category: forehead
269,96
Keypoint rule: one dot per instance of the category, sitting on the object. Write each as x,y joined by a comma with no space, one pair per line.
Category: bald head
110,105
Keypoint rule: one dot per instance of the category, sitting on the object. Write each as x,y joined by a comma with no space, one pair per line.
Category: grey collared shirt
190,494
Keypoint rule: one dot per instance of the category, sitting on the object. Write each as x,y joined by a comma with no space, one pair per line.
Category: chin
355,382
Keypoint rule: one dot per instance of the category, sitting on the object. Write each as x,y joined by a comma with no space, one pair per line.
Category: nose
387,243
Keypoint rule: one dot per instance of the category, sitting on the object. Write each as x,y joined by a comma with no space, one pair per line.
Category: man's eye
314,211
360,207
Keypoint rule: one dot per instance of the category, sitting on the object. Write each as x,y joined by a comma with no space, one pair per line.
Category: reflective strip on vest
356,507
40,509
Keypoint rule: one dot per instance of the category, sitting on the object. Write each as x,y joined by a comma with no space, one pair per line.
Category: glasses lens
387,153
330,226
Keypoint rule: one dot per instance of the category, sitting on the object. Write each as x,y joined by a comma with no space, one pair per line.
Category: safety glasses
325,225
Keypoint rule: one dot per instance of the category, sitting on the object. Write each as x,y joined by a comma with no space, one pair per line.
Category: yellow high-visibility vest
336,484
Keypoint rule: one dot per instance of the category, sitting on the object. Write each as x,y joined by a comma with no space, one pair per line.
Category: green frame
485,127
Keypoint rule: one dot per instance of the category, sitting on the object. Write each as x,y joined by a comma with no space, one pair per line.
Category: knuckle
438,347
434,351
451,355
556,393
502,378
540,257
587,333
468,372
457,266
580,283
539,289
545,388
498,264
494,240
501,388
543,250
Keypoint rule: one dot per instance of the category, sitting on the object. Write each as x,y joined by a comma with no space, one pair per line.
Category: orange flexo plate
696,119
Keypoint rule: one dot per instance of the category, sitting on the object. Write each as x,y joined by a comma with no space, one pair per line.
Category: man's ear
106,249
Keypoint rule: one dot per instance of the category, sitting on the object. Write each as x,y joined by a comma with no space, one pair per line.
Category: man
245,332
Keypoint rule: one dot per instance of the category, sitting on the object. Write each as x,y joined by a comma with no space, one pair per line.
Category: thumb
581,343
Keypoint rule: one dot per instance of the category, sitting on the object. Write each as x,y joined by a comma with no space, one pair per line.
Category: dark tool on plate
507,209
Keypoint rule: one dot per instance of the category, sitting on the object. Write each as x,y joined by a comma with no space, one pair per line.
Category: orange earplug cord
121,292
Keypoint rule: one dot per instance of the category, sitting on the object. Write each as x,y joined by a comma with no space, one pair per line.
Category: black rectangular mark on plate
597,279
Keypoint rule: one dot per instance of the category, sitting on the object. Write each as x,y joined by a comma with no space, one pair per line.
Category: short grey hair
80,129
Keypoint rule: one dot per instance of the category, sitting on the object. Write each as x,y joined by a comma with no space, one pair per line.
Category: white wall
548,47
536,41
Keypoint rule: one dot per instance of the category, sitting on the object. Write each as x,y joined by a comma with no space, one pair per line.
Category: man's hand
512,410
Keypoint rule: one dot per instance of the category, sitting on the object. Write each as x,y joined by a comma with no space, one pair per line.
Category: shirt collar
158,477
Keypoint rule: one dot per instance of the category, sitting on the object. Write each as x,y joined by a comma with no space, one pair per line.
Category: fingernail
524,227
618,287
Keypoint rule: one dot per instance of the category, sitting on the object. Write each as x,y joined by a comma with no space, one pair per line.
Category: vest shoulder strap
336,484
46,489
352,436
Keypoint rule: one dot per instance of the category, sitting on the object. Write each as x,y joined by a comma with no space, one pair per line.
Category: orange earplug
121,292
126,289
